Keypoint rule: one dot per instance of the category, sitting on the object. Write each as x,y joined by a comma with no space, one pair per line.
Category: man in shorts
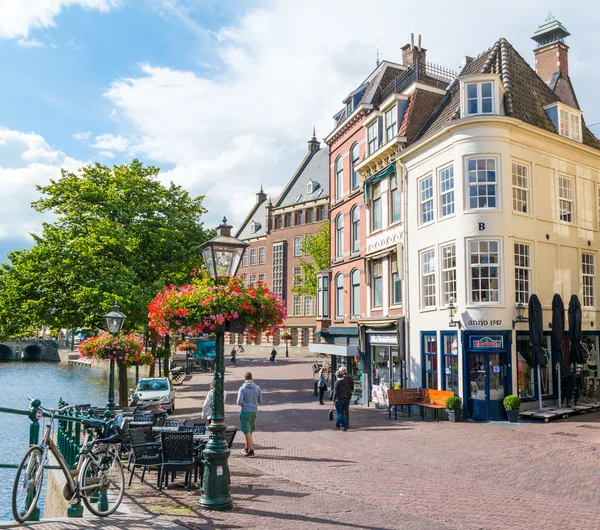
249,397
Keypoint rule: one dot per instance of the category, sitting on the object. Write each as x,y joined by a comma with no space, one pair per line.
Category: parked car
157,390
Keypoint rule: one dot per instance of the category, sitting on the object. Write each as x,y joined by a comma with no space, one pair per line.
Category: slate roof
258,215
526,93
316,168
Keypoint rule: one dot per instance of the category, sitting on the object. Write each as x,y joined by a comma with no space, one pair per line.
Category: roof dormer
566,119
311,187
481,95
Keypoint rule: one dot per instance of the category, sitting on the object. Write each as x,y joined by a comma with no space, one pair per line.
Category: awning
363,324
376,178
341,350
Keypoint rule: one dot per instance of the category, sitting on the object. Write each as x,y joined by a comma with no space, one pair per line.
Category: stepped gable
525,97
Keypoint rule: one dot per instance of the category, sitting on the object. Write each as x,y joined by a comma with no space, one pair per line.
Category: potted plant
454,409
512,404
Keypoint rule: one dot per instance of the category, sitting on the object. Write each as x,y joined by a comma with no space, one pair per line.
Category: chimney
269,216
412,54
313,143
261,196
552,54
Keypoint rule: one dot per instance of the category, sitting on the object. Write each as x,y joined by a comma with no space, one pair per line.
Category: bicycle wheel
28,484
101,483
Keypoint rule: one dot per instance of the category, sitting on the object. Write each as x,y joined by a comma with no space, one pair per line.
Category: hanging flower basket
209,307
125,349
187,347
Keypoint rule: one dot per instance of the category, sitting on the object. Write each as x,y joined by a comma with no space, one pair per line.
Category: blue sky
222,95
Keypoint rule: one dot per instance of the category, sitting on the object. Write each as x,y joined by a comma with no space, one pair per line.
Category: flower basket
187,347
124,349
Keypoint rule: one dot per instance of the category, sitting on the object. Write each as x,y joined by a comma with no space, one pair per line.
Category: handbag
330,414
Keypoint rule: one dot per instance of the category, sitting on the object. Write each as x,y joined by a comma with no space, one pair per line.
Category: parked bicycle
97,480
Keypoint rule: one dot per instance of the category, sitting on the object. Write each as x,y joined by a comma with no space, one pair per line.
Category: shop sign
379,395
487,341
383,339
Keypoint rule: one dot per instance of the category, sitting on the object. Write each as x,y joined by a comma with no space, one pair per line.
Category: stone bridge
29,350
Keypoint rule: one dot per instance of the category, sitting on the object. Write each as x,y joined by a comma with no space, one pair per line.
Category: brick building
274,231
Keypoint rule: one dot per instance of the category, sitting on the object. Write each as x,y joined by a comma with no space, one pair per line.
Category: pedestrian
249,397
340,397
350,382
234,356
209,400
322,384
273,355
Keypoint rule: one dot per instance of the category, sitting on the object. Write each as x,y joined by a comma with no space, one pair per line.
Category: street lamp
222,256
114,323
520,313
451,312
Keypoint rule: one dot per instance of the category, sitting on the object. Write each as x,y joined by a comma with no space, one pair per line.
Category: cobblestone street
381,474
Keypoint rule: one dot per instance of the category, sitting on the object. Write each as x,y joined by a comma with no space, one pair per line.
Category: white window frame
483,184
447,191
569,124
253,254
261,276
391,123
372,137
355,229
523,271
395,271
339,296
426,200
428,278
298,246
482,265
588,279
354,161
479,99
246,256
339,178
297,306
297,280
376,264
376,187
448,273
308,306
520,188
598,208
262,255
252,279
566,199
354,299
339,236
393,186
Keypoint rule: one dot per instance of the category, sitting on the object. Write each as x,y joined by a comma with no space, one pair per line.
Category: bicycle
98,479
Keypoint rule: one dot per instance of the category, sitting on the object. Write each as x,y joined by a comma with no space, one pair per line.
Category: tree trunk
123,386
166,371
153,338
72,339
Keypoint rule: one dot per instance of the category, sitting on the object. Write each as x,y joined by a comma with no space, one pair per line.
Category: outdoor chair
196,430
145,452
173,423
230,433
177,455
144,418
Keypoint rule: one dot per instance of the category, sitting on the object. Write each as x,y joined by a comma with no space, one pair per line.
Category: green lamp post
287,336
222,256
114,323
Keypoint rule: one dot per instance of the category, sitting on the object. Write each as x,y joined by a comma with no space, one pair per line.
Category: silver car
157,391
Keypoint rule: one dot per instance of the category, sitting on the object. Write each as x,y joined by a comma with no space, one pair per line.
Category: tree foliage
120,235
316,246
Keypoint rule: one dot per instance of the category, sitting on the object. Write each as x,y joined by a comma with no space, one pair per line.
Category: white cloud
82,135
18,17
111,142
106,154
30,43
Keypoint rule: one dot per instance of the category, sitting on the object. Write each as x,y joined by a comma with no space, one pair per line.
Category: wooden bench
422,397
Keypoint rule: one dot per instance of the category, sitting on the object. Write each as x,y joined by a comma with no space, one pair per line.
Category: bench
422,397
177,373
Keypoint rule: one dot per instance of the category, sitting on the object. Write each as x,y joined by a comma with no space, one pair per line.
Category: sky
222,95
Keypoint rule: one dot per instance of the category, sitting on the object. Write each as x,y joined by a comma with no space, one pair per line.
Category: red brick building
274,231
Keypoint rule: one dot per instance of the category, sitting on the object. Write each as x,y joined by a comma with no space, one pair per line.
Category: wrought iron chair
229,435
144,418
173,423
145,452
177,455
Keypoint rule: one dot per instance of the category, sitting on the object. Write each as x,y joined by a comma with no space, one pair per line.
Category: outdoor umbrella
536,335
558,338
575,330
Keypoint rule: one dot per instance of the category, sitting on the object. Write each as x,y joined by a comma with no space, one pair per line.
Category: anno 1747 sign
487,342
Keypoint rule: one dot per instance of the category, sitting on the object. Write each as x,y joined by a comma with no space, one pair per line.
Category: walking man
249,397
273,355
340,398
350,383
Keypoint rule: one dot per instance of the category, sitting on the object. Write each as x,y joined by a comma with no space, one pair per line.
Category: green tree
317,247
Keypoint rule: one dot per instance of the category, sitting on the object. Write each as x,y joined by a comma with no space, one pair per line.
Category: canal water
47,382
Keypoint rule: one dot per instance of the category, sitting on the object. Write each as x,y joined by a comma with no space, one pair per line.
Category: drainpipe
404,174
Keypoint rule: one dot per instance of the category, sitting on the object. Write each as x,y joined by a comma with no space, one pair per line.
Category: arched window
339,296
354,160
339,178
339,236
355,224
355,293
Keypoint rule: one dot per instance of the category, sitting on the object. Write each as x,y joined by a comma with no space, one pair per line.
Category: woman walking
341,393
322,384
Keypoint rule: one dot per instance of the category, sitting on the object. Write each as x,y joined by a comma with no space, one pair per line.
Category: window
311,186
377,283
428,278
261,276
522,272
396,282
450,360
565,199
254,227
245,259
426,199
339,296
323,296
299,219
447,191
484,268
321,213
348,108
252,280
372,138
278,221
354,160
376,207
449,273
298,246
482,183
520,183
245,280
339,236
355,293
394,200
297,276
588,268
355,219
480,98
598,193
310,216
262,255
308,306
278,269
430,361
297,306
288,220
252,256
569,124
339,178
391,124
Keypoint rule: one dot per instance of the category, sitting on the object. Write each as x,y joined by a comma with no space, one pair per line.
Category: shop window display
526,376
450,343
590,391
430,361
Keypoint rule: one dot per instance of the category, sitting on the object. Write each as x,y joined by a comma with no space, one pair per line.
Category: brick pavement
382,474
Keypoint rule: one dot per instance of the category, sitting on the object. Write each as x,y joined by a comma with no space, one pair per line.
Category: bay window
482,183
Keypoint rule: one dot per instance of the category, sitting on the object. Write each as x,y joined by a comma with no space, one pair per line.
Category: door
487,385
